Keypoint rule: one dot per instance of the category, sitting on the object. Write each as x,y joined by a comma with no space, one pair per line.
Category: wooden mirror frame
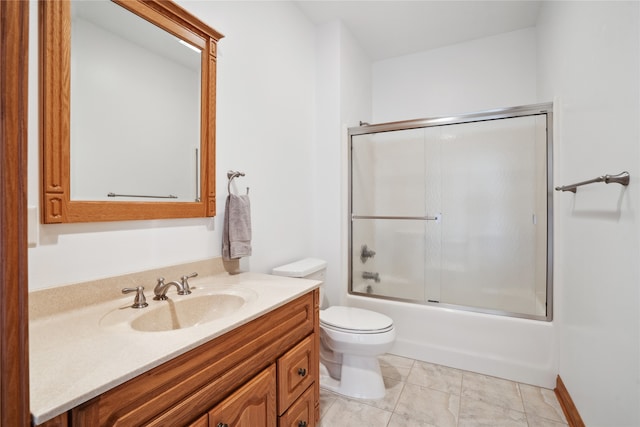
55,116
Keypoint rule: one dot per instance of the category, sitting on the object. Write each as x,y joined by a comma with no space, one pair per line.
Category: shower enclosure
455,211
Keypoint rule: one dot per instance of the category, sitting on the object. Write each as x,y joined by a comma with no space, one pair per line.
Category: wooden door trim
14,361
566,402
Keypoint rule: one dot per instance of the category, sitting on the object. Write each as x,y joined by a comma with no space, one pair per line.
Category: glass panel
433,201
397,268
135,121
388,174
491,221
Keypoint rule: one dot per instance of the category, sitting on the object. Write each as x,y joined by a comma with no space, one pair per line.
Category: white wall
492,72
589,54
343,99
265,128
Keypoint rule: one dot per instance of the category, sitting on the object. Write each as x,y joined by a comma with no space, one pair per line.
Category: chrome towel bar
419,218
170,196
621,178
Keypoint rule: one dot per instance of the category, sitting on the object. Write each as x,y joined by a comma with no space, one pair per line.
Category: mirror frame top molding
55,116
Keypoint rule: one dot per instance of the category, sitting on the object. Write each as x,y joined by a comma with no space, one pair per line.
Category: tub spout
370,275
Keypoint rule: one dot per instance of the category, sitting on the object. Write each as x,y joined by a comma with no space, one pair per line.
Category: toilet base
360,377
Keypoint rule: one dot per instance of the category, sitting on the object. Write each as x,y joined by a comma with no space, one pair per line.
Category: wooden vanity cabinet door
253,405
61,420
203,421
301,413
296,372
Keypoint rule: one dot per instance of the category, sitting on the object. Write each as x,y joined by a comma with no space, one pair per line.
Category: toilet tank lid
301,268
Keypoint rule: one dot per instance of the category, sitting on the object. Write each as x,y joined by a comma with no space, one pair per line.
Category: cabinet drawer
301,413
296,371
253,405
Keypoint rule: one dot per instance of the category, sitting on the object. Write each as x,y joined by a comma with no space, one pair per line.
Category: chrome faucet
370,275
161,289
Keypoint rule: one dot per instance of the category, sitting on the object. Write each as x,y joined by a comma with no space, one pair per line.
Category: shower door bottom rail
418,218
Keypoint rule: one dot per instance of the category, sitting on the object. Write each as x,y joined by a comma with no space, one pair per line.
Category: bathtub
516,349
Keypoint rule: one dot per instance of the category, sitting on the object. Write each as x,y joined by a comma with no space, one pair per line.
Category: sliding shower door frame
545,109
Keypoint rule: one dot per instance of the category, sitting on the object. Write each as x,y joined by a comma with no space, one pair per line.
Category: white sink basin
179,312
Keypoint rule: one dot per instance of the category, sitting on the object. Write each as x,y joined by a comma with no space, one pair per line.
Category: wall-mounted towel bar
170,196
233,174
621,178
418,218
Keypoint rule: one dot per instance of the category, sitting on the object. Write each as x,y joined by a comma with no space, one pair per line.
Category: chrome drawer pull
302,372
302,424
222,425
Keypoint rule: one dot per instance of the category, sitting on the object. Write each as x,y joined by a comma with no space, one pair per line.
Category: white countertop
75,357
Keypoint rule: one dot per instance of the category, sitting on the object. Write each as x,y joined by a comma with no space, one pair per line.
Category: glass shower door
388,210
494,202
453,214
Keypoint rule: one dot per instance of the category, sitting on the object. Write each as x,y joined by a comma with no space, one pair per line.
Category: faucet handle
366,253
185,282
140,301
159,285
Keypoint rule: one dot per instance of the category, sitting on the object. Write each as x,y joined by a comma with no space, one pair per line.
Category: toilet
351,339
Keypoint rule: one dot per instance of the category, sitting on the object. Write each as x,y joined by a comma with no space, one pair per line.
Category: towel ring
231,175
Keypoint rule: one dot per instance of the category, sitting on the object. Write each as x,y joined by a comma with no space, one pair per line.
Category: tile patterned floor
422,394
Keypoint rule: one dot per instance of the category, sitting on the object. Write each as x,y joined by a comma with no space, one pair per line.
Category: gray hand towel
236,232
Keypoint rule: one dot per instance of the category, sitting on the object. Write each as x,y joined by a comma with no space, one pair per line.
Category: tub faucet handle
366,253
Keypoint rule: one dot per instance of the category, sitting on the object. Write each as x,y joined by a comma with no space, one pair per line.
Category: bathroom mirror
127,111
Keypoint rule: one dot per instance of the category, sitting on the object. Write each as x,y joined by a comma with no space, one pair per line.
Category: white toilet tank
308,268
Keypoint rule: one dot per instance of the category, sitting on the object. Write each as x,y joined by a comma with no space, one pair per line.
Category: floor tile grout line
524,408
460,398
404,384
328,410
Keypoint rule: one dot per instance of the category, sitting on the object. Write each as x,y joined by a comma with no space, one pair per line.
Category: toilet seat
355,320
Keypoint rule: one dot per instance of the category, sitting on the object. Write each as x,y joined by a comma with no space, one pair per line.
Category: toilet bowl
351,339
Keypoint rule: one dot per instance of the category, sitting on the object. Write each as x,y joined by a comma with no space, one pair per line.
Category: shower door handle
437,217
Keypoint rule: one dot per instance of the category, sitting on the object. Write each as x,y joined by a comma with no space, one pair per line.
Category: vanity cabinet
264,373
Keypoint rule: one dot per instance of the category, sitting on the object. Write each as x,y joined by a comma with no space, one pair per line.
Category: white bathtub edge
516,349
